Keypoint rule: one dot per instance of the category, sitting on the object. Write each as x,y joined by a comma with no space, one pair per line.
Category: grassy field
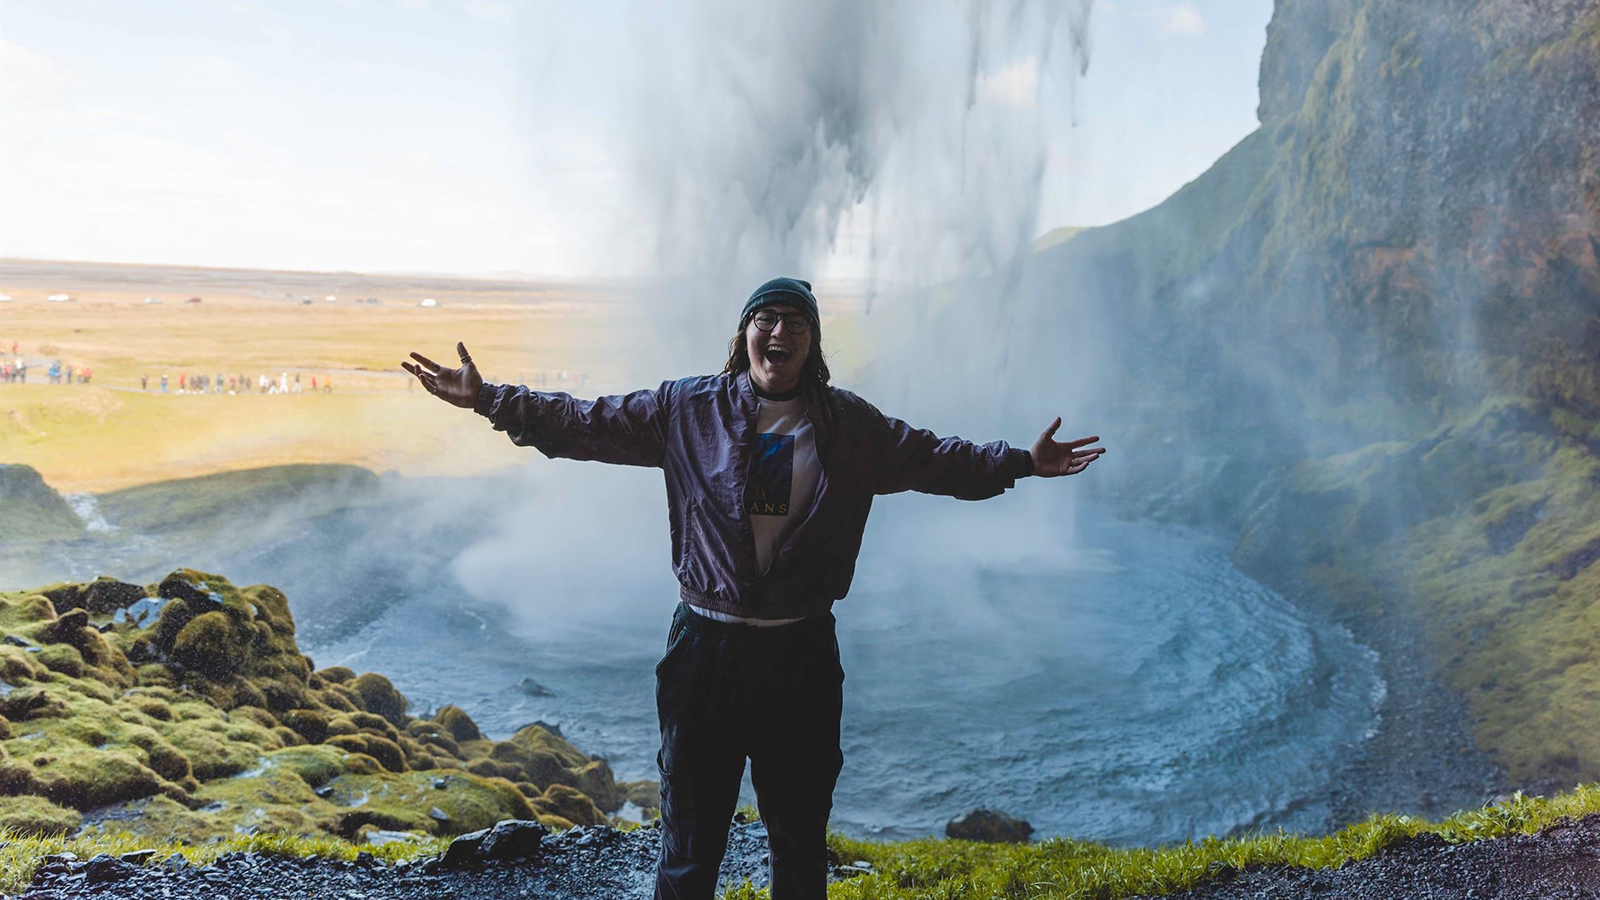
110,434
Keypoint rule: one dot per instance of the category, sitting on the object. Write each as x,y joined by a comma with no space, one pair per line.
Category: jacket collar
818,410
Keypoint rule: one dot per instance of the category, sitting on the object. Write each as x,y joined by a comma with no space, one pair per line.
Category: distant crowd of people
64,374
15,370
238,384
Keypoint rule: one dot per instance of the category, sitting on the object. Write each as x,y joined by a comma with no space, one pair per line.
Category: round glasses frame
795,322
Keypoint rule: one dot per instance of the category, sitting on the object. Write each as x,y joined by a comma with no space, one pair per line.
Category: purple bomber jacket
701,431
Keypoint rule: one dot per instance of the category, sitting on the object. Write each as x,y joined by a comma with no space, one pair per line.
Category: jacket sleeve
915,459
625,429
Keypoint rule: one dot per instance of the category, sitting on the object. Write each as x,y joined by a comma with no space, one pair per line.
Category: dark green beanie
783,290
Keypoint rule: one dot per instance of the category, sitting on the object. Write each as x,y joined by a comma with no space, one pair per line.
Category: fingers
1050,432
462,354
426,361
1072,445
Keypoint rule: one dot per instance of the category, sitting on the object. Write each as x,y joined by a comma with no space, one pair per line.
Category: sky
490,137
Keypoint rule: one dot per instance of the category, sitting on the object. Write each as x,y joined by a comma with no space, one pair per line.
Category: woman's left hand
1052,457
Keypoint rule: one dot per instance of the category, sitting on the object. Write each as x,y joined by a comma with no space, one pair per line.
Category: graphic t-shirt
780,486
782,481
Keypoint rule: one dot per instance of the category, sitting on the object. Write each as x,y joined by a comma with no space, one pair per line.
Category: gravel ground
1562,863
581,863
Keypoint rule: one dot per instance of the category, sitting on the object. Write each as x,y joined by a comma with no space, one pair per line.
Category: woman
770,474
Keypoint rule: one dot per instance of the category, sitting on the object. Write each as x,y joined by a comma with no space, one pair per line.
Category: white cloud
28,80
1185,18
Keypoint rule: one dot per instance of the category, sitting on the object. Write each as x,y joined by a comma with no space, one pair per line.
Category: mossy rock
545,768
386,752
310,724
571,804
596,781
86,778
36,817
223,710
539,736
212,754
337,674
493,768
62,658
209,644
456,723
378,695
644,794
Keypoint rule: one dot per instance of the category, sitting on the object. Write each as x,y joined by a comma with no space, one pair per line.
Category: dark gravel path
1562,863
581,863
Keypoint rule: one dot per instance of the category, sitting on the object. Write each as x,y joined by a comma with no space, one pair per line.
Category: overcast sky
487,136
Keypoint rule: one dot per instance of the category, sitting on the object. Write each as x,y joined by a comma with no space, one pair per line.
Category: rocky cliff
1367,341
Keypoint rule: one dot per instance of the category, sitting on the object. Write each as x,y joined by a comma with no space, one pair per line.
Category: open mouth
777,356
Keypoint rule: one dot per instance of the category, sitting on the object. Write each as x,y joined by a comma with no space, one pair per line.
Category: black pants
725,692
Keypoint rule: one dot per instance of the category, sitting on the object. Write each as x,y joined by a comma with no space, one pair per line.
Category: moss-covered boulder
185,709
31,815
456,723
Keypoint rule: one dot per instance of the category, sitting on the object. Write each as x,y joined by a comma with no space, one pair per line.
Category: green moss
62,658
208,737
385,751
456,723
36,817
538,737
337,674
310,724
208,644
571,804
379,696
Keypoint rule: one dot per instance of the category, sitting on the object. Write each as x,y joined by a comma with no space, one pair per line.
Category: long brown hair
815,369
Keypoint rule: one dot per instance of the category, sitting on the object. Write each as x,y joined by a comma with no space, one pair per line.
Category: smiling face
777,356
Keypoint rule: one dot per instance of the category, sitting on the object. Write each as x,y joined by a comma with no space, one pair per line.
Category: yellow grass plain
110,434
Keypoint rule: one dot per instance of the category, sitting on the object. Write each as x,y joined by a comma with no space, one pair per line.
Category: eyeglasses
794,322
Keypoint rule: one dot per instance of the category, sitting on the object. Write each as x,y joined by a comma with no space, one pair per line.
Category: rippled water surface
1105,680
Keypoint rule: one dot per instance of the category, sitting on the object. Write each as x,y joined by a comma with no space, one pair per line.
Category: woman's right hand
458,387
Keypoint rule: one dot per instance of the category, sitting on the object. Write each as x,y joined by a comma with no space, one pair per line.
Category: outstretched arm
907,458
625,429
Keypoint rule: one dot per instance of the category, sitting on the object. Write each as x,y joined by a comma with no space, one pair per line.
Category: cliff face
33,511
1377,321
1417,220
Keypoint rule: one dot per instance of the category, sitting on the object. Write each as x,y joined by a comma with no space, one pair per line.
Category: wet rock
534,689
513,839
104,867
988,826
137,857
100,597
438,815
463,851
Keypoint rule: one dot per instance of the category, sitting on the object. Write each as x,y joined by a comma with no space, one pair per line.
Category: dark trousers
725,692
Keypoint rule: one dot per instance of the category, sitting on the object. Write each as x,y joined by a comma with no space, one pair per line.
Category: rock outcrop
185,708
